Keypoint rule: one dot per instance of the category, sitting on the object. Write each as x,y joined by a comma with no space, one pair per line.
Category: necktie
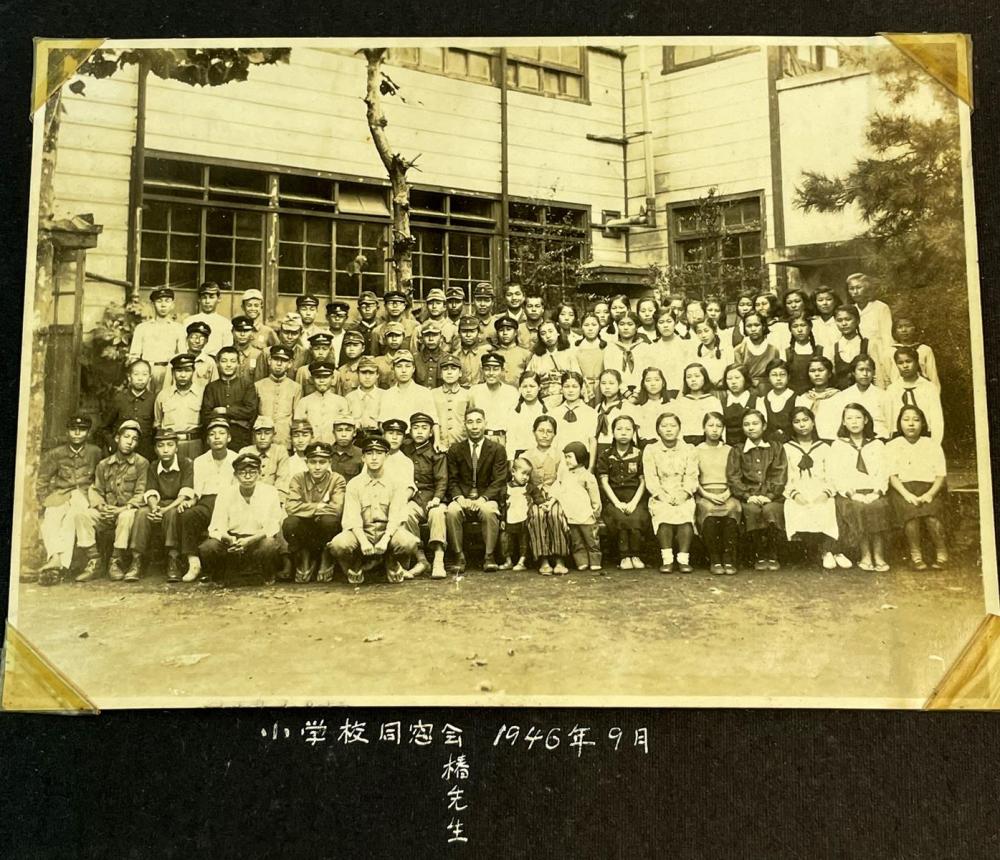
475,462
909,398
860,465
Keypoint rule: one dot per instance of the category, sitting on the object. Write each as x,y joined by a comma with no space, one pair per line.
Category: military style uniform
180,411
157,341
119,480
235,400
320,409
278,398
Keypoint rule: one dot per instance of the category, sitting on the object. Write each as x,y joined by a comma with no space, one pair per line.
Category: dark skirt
858,522
703,509
905,512
761,516
617,522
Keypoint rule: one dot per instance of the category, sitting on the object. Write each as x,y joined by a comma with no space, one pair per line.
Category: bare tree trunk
396,167
40,321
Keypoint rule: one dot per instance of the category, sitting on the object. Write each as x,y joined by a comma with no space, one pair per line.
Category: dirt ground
801,635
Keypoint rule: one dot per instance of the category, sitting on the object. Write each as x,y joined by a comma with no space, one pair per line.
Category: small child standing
580,500
514,538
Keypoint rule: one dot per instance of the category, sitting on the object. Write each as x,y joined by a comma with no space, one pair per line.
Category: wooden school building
599,151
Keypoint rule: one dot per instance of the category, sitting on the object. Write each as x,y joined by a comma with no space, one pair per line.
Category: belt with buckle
185,437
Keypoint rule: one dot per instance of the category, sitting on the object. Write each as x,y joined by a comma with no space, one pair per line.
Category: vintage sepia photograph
525,372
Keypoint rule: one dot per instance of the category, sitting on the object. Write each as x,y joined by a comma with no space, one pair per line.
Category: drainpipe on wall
504,171
647,140
138,178
628,255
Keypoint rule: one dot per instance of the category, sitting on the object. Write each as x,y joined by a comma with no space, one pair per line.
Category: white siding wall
710,128
309,114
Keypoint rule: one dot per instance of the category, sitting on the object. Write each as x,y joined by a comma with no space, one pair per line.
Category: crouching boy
169,491
246,521
314,507
119,485
374,520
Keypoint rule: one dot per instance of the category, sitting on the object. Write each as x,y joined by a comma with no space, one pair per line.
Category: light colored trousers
71,523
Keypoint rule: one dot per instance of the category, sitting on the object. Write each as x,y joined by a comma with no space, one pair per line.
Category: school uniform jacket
757,469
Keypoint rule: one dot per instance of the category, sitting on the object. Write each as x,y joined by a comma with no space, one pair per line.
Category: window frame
669,66
491,53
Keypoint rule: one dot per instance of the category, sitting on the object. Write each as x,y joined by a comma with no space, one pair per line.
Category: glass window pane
185,219
479,246
218,273
154,216
170,170
373,281
372,236
528,77
571,55
346,285
404,55
184,248
526,53
290,256
459,267
152,274
550,53
247,278
236,177
289,281
348,233
431,266
750,244
317,282
347,260
218,250
480,67
511,74
432,58
317,231
154,245
184,276
318,257
290,228
573,86
455,62
480,269
730,247
219,222
248,251
249,224
550,81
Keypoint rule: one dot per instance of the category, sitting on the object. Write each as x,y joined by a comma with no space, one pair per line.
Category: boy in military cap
247,350
203,364
289,335
278,395
396,305
515,357
307,308
336,318
314,507
391,343
169,491
319,350
451,400
135,402
178,406
220,330
367,320
430,474
345,456
273,458
435,310
302,438
428,357
454,303
65,474
213,472
483,303
262,336
365,402
497,399
245,527
323,405
231,396
398,466
373,524
347,371
470,350
115,496
159,339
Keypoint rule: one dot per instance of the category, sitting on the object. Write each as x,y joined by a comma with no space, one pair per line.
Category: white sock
667,555
682,558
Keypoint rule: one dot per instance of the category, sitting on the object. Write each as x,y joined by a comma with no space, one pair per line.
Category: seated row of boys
226,513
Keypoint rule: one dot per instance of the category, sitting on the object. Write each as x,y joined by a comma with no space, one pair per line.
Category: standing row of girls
843,497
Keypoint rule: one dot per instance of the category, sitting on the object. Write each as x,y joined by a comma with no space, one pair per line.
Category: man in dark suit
477,481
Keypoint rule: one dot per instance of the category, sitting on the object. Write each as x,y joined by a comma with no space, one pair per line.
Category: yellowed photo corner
32,683
988,543
56,61
946,57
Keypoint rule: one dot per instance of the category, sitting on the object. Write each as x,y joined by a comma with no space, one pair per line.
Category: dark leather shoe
667,567
173,569
684,567
458,565
115,572
489,564
90,572
132,574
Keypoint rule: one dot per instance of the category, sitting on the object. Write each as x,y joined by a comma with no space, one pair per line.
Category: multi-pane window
547,245
685,56
171,246
234,248
474,65
554,70
798,60
718,244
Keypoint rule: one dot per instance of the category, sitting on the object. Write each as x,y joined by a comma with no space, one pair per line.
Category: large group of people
364,446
